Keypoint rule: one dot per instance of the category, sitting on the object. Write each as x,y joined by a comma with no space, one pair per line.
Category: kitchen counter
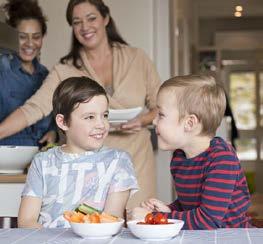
15,178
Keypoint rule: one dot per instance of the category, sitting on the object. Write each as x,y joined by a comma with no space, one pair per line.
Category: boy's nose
100,123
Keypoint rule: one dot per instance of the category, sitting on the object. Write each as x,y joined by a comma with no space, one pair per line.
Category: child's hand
148,204
137,213
155,205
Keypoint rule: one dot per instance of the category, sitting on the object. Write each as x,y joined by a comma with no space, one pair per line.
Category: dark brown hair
18,10
73,91
111,29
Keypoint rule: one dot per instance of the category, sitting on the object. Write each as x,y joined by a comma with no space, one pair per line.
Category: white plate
14,159
123,115
97,231
155,232
118,121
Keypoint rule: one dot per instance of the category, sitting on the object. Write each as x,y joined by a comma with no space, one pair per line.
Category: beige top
135,83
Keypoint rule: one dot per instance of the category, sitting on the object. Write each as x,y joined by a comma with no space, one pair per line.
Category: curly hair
18,10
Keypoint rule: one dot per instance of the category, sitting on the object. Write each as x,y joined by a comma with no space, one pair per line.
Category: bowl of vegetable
155,227
93,224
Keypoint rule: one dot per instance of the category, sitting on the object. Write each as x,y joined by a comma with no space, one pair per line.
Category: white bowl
14,159
97,231
149,232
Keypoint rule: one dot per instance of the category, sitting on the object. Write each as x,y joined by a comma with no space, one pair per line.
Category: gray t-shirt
64,180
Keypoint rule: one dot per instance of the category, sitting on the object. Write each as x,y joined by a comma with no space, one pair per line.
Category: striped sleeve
176,205
216,194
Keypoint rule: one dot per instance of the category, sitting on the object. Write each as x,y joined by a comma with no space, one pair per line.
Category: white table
66,236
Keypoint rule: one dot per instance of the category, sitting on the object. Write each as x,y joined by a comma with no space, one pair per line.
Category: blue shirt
16,87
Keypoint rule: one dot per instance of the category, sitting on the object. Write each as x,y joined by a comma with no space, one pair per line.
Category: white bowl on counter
14,159
157,232
98,230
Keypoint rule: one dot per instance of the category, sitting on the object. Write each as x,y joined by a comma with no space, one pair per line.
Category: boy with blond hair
211,187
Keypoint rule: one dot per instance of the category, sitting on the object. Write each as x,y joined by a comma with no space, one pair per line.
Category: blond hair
199,95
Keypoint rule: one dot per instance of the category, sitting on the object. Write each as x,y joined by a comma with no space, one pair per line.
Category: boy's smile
88,125
169,130
178,133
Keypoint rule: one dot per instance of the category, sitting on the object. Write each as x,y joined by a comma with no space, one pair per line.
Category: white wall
145,24
134,19
58,38
161,36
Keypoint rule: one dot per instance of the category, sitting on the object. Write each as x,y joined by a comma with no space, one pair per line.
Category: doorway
242,71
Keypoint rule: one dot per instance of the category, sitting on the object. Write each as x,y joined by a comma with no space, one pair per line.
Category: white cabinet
10,198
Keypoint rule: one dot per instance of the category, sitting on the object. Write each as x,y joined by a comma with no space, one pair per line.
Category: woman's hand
136,124
49,138
155,205
132,126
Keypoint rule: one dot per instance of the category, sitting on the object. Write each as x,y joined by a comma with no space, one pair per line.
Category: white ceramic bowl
155,232
14,159
97,231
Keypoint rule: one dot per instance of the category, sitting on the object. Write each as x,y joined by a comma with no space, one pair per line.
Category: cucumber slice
84,208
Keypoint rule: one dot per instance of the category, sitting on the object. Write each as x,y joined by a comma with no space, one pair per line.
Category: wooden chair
257,222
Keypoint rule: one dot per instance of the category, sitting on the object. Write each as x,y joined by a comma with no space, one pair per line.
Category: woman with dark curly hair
21,74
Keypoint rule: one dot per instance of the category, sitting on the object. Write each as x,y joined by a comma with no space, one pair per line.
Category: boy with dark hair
82,170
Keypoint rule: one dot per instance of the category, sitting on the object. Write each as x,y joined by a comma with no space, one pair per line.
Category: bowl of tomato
155,227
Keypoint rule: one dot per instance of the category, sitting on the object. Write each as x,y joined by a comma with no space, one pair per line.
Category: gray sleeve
34,183
124,177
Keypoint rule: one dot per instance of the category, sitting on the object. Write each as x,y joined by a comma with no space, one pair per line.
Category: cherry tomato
157,218
149,219
163,220
160,218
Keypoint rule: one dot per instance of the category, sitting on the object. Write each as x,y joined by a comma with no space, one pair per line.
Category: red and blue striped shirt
211,188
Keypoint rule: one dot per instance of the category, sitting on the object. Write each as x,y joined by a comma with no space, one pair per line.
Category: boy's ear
60,122
191,122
